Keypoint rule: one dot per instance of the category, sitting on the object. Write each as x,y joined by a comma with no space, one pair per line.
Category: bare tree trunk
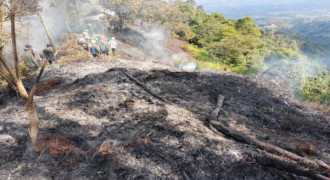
2,26
33,129
46,29
13,39
2,31
33,117
21,90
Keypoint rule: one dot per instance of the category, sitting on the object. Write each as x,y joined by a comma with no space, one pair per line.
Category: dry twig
145,87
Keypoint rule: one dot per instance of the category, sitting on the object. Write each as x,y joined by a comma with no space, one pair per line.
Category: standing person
86,35
29,60
85,46
49,53
104,48
93,50
34,53
81,40
108,24
113,44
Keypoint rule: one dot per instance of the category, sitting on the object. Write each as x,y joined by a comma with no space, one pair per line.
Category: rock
7,140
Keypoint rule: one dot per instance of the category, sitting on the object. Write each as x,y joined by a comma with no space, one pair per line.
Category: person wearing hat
86,35
113,44
81,40
34,53
93,49
49,53
29,60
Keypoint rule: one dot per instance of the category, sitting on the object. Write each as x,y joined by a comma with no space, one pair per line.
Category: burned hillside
96,123
129,92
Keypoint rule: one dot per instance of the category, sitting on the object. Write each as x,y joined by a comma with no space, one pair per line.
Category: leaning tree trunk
46,29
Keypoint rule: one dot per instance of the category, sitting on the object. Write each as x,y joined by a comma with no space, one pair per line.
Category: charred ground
98,124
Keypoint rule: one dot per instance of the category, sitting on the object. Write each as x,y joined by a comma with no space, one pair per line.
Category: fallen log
280,163
145,87
265,146
217,126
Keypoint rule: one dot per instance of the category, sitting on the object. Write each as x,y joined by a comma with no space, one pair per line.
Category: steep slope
98,124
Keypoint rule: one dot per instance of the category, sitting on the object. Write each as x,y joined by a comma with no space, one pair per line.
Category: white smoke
293,71
29,29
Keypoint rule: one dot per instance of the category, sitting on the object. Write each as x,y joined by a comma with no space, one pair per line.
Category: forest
242,47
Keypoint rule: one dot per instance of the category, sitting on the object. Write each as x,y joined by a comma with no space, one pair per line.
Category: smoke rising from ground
294,71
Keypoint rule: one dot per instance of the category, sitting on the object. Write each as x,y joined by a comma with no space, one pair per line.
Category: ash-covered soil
95,123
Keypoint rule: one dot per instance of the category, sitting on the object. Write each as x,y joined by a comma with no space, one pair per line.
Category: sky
235,8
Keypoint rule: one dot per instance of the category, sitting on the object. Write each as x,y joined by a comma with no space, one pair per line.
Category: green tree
246,27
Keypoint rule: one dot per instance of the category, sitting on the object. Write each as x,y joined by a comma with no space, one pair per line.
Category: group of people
32,58
97,44
94,43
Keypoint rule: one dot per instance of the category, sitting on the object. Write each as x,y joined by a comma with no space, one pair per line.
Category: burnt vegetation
105,126
128,117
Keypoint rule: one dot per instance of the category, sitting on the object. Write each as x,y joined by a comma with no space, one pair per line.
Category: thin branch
8,79
2,25
145,87
46,29
8,68
13,38
34,87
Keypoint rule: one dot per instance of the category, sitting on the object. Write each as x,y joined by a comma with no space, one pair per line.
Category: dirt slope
98,124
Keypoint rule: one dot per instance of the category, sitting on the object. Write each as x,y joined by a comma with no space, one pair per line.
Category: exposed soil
98,124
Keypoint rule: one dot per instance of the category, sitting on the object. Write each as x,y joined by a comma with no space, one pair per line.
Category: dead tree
46,29
13,77
2,28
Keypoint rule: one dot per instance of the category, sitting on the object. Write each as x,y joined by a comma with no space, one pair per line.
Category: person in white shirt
86,35
113,45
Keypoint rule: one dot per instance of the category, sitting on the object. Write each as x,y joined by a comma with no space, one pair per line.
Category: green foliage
317,88
210,65
284,53
199,53
213,38
246,27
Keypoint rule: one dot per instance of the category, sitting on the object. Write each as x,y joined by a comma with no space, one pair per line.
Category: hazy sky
247,7
234,3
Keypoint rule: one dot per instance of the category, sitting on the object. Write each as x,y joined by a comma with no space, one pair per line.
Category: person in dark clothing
49,53
94,51
104,48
